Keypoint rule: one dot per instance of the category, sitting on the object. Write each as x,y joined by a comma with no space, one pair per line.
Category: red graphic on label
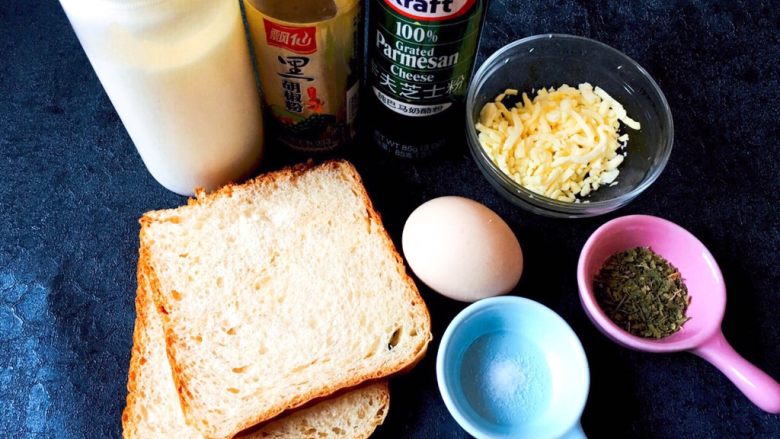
295,39
314,104
431,10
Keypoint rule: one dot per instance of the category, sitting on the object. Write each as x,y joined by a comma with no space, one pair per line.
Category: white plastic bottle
180,77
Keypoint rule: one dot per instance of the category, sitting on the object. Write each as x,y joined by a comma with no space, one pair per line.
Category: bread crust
136,356
293,173
378,419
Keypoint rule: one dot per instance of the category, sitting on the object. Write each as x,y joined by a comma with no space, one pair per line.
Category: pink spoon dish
702,334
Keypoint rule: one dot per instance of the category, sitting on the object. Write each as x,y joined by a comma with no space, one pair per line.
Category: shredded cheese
563,144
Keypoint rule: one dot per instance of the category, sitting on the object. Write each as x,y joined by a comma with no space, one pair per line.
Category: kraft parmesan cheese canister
421,54
307,60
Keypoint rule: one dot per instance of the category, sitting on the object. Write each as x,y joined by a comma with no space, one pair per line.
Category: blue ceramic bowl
509,367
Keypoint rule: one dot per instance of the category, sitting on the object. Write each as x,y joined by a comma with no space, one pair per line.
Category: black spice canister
421,55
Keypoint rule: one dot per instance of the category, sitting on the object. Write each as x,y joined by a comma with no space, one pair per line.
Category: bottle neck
297,11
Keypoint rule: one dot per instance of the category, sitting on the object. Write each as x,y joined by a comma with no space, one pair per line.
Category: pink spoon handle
759,387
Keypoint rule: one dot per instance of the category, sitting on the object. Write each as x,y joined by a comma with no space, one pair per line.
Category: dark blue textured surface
72,188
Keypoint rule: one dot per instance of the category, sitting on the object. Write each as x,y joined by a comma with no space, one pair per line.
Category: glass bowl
551,60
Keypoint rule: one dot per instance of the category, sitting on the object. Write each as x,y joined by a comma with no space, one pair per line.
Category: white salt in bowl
509,367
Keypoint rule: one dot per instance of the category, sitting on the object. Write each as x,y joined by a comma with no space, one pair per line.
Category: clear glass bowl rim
538,202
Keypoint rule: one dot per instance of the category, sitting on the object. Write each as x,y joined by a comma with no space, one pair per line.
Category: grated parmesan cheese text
564,144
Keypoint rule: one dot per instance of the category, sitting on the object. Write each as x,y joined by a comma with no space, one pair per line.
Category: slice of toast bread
279,291
153,410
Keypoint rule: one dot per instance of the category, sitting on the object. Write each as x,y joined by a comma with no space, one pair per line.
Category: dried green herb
642,293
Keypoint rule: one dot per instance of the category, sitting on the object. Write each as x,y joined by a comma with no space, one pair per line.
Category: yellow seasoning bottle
308,63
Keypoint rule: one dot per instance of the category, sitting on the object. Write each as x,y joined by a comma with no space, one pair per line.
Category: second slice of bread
279,291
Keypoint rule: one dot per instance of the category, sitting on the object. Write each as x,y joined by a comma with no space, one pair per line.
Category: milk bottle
179,74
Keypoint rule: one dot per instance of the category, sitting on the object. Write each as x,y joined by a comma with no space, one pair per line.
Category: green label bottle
421,54
307,60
